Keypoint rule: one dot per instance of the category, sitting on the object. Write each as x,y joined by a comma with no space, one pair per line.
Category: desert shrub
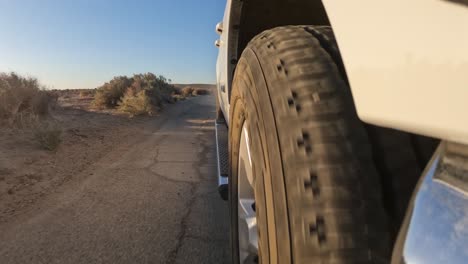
52,98
20,96
136,103
25,105
109,94
200,91
86,93
187,91
177,91
157,87
41,103
178,97
148,90
48,134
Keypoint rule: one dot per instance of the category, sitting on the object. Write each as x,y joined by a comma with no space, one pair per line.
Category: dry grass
48,134
21,96
25,105
86,93
178,97
45,131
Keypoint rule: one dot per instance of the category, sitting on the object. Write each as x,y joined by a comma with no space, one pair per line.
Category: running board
222,151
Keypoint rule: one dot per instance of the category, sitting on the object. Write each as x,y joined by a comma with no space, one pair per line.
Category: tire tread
340,219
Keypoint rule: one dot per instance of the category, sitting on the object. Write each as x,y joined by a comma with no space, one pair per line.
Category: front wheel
303,187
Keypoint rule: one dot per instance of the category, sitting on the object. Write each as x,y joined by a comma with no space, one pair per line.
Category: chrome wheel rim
247,218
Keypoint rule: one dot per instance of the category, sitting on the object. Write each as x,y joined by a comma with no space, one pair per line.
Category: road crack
193,197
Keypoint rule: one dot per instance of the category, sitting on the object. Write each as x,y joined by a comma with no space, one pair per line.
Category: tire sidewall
246,108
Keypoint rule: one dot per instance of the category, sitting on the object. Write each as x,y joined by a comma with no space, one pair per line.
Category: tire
317,191
396,160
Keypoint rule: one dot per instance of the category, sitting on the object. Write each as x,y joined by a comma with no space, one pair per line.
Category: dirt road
151,200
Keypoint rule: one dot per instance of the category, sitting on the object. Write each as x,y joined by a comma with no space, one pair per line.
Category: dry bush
52,100
48,134
136,103
200,91
178,97
86,93
109,94
140,94
25,105
187,91
20,96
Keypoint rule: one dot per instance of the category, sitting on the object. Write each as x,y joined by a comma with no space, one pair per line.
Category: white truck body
410,74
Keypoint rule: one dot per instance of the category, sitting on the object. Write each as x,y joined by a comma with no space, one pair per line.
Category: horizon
83,44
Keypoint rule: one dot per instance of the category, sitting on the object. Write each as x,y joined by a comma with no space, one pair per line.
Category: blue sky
83,43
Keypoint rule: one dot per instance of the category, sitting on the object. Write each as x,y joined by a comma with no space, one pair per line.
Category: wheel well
257,16
249,18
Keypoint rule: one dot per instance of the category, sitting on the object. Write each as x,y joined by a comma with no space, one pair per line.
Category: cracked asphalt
152,200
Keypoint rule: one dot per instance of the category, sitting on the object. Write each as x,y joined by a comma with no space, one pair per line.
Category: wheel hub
247,218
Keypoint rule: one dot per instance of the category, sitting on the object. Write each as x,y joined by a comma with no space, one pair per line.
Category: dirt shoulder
28,172
151,199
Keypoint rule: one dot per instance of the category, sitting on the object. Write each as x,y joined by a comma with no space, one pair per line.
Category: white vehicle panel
407,63
222,65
